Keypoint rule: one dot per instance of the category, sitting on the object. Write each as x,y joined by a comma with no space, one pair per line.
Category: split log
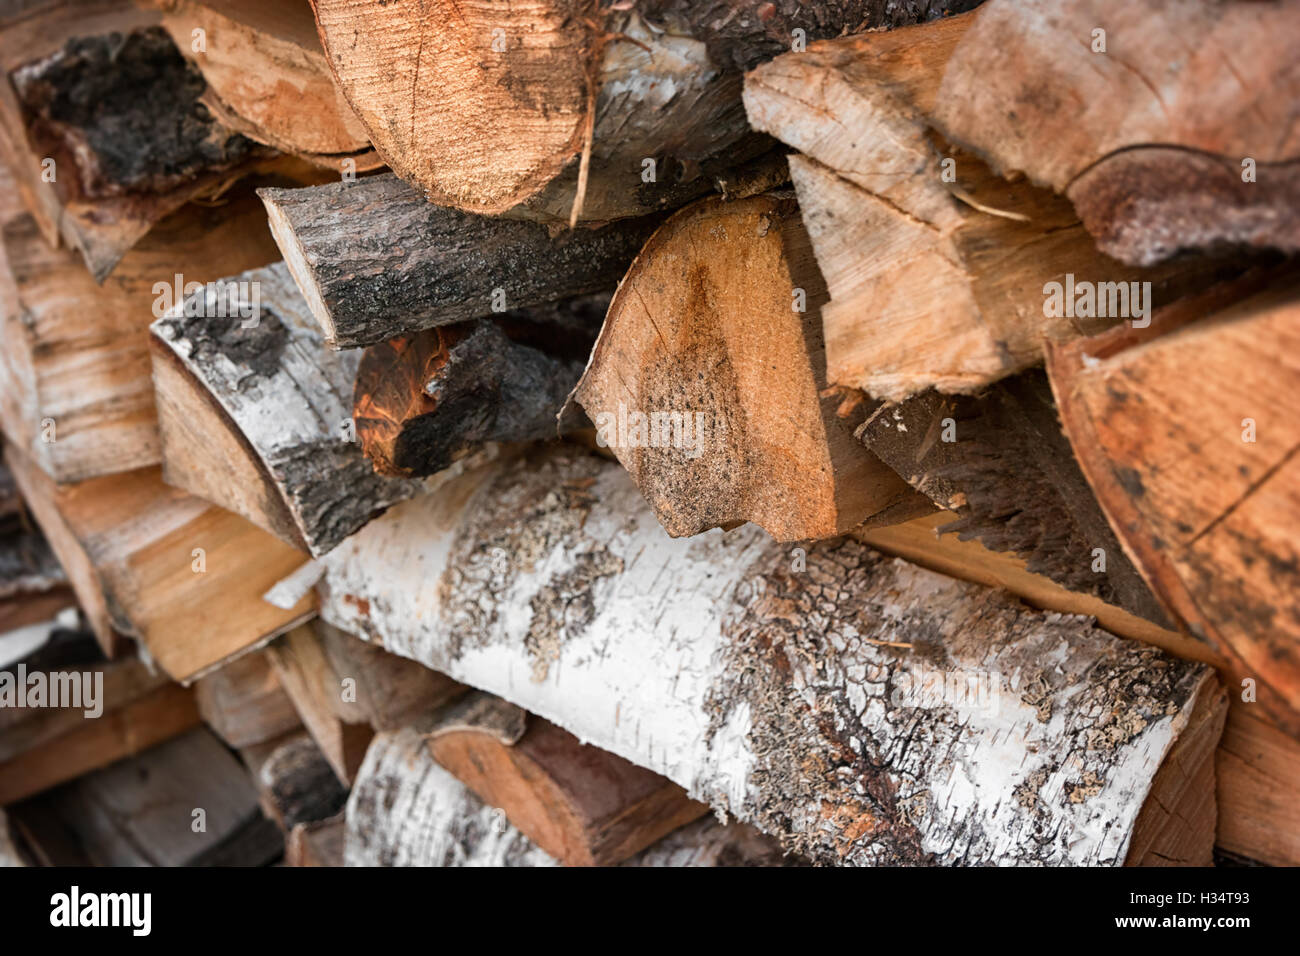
1150,135
405,810
184,578
46,746
144,811
1258,769
295,783
1001,462
582,805
425,401
486,108
1224,393
264,64
75,391
243,703
316,844
255,413
374,260
731,652
10,855
96,88
33,586
345,690
717,424
937,268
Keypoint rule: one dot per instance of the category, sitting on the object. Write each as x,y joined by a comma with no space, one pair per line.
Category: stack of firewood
650,433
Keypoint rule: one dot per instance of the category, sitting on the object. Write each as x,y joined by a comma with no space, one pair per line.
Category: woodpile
649,433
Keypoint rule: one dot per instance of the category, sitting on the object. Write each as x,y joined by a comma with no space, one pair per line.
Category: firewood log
184,578
267,77
1222,393
406,810
294,780
146,811
1001,462
33,585
75,391
582,805
425,401
243,703
937,268
486,107
1149,136
374,260
316,844
255,414
716,662
41,747
101,122
346,689
708,382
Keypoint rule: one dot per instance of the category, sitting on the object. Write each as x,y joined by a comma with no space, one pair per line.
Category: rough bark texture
1001,462
486,108
935,265
582,805
717,424
148,561
374,260
264,63
424,401
796,692
297,784
405,810
75,390
255,413
1147,138
1218,551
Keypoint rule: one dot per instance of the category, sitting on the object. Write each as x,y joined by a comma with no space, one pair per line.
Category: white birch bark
798,692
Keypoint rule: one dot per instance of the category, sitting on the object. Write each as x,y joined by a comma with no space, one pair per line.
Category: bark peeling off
991,734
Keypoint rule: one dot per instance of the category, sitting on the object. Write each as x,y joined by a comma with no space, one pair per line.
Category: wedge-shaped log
243,703
862,708
148,561
1222,392
406,810
256,414
488,107
374,260
938,268
708,382
582,805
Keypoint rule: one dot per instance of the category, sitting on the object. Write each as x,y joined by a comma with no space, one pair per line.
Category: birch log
405,810
184,578
486,108
255,413
717,423
800,691
937,268
1222,392
425,401
75,392
295,781
374,260
582,805
1172,130
267,77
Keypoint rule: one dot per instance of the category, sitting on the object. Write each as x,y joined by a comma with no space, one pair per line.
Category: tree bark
423,402
295,781
534,84
1147,138
255,413
75,391
582,805
1221,392
406,810
936,266
719,425
698,660
1001,462
264,64
431,265
184,578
